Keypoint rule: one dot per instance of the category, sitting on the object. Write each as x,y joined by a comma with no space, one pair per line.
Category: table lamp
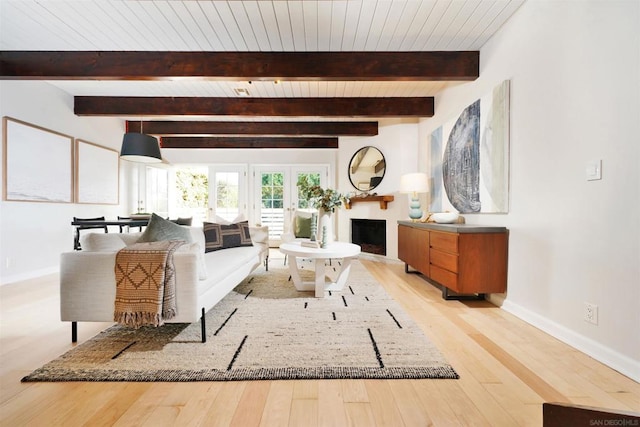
414,183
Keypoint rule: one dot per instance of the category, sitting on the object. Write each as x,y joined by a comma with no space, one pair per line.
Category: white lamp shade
414,183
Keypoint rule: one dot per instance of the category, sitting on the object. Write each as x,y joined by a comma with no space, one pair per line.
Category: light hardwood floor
507,369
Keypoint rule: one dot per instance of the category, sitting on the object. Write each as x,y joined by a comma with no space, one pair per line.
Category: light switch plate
594,170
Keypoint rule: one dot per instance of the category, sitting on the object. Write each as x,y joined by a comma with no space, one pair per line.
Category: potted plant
326,200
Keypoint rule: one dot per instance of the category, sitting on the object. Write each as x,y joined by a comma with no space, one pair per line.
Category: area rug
266,330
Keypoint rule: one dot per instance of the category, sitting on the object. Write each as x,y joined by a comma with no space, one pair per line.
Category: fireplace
370,234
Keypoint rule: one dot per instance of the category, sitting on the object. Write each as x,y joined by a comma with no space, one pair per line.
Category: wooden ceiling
282,62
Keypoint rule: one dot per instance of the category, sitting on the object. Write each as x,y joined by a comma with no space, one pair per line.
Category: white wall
575,96
32,235
398,142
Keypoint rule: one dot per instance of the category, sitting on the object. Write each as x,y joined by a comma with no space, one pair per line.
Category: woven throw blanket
146,284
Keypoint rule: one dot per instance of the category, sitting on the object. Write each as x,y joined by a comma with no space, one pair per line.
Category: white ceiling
297,25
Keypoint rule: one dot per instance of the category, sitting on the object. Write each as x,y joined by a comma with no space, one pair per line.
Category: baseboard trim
619,362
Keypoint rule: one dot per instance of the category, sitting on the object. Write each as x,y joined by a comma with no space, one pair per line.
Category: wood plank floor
507,368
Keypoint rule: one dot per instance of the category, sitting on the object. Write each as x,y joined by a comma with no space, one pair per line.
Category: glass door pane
300,201
272,202
192,193
227,195
227,192
157,183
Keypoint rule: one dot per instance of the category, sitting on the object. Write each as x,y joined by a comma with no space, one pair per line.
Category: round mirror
366,168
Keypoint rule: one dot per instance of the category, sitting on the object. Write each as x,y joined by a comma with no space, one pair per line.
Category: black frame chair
76,239
128,227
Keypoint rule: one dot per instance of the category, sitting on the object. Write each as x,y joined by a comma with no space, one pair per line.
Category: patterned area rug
266,330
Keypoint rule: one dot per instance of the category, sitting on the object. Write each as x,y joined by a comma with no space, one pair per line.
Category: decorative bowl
445,217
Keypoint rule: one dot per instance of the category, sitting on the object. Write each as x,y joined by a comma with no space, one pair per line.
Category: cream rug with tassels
266,330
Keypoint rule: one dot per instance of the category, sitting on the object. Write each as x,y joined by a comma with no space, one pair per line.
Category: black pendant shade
139,147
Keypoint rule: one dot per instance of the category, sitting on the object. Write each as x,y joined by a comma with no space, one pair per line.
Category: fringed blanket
145,284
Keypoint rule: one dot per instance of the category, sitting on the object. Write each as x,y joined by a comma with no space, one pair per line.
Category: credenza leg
472,297
74,331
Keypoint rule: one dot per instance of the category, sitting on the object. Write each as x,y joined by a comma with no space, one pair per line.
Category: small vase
314,227
325,219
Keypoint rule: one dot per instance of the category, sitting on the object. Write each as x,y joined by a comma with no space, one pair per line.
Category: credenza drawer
447,242
448,261
444,277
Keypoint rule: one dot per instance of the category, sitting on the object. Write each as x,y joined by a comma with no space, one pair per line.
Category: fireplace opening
370,234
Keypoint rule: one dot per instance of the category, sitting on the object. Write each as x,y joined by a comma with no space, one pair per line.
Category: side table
346,251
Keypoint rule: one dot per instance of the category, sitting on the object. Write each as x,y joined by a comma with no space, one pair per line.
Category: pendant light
138,147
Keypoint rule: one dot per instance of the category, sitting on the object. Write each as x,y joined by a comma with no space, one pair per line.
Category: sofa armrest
259,234
88,285
260,239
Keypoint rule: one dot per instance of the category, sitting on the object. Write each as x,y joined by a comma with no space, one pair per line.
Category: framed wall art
38,163
470,157
97,174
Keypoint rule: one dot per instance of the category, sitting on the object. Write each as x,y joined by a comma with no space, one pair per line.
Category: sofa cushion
202,267
162,229
130,238
221,236
101,242
222,264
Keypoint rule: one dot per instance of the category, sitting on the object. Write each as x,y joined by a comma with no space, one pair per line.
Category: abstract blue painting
472,169
435,188
461,161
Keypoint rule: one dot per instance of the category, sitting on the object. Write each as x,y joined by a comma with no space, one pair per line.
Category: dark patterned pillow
221,236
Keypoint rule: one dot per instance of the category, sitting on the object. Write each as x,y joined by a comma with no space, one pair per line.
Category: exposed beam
203,128
337,66
201,106
246,142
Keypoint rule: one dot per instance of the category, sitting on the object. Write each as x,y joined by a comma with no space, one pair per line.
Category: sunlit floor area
507,370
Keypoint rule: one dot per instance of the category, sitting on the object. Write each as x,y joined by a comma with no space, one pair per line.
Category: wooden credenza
469,260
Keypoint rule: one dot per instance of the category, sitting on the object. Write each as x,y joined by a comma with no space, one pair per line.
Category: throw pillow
220,220
302,227
101,242
161,229
183,221
221,236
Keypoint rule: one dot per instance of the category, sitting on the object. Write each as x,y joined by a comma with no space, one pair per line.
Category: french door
276,194
227,192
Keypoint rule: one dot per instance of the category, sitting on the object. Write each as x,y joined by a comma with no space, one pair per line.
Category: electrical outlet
591,313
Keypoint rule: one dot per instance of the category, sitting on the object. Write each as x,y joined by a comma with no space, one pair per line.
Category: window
157,185
192,193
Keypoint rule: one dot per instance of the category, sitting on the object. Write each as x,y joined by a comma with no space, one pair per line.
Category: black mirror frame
371,187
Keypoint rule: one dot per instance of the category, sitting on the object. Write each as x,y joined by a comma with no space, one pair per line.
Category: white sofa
87,277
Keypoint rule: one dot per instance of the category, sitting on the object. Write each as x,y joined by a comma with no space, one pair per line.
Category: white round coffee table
346,251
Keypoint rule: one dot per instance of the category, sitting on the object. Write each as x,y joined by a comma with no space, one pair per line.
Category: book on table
310,244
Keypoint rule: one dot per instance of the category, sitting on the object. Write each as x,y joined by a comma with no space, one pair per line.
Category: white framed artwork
38,163
97,174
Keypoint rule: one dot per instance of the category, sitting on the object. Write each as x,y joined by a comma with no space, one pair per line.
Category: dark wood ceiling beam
283,107
336,66
204,128
246,142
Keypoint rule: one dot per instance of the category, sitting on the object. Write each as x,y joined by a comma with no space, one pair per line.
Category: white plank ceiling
238,26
